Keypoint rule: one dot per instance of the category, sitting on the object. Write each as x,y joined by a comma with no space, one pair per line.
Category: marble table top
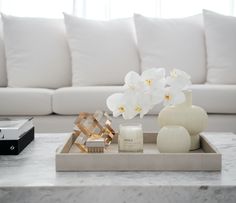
31,177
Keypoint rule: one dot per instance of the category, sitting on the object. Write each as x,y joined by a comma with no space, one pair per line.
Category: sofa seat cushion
72,100
3,71
215,98
25,101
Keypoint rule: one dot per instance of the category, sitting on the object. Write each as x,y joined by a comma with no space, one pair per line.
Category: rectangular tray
69,158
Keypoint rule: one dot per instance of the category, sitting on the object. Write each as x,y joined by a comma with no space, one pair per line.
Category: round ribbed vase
173,139
191,117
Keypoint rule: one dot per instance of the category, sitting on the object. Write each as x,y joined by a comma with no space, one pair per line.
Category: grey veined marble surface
31,177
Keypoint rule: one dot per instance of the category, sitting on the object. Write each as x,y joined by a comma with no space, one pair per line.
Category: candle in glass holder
130,138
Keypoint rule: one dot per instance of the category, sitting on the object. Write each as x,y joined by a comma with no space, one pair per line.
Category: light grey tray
69,158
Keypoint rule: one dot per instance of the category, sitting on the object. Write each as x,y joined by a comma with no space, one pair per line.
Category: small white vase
173,139
193,118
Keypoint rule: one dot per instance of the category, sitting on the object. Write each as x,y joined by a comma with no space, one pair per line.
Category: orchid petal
153,77
154,73
173,96
143,104
158,85
179,79
129,101
132,78
133,81
116,113
114,100
157,96
129,114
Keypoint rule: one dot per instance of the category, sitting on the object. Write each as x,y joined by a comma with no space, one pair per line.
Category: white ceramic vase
193,118
173,139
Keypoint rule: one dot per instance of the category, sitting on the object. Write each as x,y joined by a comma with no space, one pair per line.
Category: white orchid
133,82
173,96
128,105
143,92
179,79
121,104
143,104
151,83
154,78
156,96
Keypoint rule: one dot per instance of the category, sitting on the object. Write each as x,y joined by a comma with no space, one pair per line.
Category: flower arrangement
143,92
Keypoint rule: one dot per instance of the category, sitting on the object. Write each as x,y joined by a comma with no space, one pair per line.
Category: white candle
130,138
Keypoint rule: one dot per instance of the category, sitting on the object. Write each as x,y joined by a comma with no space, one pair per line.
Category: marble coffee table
31,177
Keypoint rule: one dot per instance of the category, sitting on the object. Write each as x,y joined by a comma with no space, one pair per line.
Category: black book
14,147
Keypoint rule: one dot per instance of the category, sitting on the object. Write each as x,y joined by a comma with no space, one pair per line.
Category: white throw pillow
172,43
102,51
220,34
3,72
37,52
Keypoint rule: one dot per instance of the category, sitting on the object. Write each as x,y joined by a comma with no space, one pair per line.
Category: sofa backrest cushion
102,51
3,72
172,43
37,52
220,33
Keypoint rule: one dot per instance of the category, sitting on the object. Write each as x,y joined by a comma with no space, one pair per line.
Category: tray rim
129,161
59,150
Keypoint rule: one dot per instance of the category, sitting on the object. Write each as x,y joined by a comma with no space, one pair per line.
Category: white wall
109,9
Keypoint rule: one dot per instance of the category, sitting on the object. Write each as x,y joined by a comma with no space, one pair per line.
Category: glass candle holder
130,138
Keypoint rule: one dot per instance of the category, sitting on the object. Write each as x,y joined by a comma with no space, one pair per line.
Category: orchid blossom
173,96
143,92
179,79
121,104
154,78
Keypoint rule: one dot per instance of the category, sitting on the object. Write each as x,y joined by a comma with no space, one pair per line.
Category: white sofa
55,108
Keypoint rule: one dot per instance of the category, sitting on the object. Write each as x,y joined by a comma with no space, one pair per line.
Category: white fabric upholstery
25,101
218,100
221,47
215,98
172,43
3,72
37,52
102,51
72,100
64,124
